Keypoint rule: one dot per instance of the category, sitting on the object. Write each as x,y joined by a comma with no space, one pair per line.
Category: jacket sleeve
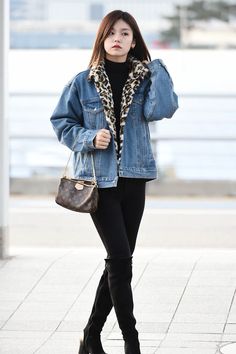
160,101
67,121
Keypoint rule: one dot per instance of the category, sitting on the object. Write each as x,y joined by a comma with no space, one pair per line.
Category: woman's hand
102,139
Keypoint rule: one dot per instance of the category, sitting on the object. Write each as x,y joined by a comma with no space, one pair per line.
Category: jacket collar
137,73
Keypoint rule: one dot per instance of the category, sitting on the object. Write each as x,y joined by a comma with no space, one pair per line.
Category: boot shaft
119,280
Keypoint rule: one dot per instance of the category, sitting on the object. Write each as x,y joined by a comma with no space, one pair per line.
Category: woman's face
119,41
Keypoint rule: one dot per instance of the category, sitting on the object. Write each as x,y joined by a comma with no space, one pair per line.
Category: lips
116,46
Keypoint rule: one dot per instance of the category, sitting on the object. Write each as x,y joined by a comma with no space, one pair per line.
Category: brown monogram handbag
78,195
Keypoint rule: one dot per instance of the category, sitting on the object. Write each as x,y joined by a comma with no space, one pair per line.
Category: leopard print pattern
136,75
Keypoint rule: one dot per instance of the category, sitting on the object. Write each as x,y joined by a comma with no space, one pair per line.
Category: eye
125,33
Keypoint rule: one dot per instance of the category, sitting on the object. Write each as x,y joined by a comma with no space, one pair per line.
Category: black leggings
118,216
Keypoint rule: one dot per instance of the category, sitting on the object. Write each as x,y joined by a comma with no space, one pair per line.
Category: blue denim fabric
79,115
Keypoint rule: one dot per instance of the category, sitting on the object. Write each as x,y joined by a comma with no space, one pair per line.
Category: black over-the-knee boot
119,280
102,306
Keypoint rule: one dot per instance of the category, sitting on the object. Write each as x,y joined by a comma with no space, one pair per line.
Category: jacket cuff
89,139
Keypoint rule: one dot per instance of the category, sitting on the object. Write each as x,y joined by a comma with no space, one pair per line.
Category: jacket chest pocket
94,117
137,105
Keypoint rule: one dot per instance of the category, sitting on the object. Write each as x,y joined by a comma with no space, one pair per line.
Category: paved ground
184,300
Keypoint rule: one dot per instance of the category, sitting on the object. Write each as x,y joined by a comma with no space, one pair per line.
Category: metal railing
176,149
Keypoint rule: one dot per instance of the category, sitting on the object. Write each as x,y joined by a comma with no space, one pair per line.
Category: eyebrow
123,29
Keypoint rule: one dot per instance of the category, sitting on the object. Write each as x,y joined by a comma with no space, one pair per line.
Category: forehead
121,25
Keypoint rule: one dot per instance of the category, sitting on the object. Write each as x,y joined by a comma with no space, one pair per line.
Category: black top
117,74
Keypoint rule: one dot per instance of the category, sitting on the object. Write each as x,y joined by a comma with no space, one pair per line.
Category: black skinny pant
117,220
118,216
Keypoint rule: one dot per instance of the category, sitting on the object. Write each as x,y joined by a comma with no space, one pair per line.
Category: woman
105,111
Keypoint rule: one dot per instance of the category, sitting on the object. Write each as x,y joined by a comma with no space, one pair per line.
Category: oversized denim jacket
79,115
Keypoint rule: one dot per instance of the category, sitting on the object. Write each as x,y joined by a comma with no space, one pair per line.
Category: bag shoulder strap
72,150
93,166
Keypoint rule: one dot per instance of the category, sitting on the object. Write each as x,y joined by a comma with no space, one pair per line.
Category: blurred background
51,41
193,203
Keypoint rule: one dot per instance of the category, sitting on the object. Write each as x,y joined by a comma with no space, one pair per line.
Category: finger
106,132
103,147
103,143
104,139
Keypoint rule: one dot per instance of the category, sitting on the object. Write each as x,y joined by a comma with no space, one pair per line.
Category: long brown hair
140,50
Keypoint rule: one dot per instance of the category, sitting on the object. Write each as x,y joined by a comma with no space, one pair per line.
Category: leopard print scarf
136,75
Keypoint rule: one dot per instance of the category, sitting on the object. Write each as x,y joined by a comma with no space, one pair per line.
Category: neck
116,59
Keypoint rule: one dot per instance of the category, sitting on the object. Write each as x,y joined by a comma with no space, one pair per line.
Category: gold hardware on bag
79,186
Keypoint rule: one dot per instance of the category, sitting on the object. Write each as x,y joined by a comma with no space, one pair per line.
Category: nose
117,38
